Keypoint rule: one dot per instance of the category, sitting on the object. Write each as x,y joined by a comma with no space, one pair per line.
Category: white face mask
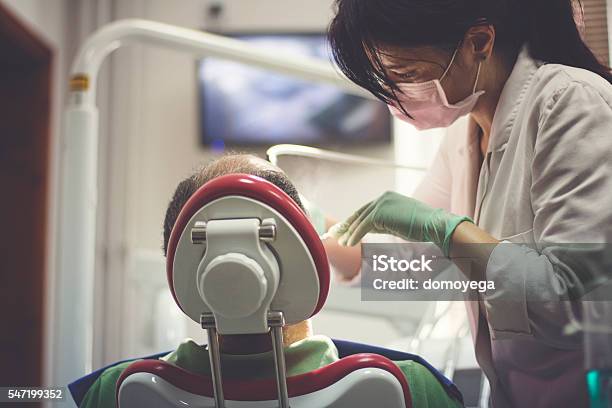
426,102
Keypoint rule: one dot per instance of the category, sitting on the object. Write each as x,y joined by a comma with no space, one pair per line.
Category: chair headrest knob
218,288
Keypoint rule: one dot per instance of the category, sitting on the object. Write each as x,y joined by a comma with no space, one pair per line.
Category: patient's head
233,164
229,164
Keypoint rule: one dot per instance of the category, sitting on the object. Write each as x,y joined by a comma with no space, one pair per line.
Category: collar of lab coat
511,98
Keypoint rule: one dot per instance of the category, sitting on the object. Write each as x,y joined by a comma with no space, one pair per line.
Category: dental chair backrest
244,259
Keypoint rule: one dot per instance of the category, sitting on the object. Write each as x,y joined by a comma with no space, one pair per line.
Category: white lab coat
546,178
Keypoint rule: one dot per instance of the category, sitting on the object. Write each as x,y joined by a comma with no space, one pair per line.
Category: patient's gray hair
228,164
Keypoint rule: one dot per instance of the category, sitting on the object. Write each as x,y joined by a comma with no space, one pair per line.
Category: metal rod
267,233
207,321
274,152
198,233
276,321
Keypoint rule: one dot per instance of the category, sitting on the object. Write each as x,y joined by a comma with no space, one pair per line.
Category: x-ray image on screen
241,105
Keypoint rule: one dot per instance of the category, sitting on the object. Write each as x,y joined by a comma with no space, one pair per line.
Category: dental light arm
276,151
199,44
74,293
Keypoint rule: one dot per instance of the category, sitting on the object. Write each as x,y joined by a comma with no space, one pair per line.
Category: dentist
534,168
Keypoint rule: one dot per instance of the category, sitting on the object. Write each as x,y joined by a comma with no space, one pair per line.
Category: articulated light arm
199,44
73,329
279,150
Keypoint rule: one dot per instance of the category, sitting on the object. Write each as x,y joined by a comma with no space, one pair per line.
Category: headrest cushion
259,189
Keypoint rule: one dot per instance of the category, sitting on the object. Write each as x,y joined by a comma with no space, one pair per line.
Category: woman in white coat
532,174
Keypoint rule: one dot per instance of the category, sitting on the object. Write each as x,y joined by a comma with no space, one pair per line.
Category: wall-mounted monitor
242,105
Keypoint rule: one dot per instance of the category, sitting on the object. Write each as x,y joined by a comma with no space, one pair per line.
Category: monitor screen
242,105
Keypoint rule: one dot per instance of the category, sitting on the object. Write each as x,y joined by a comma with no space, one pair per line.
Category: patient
250,356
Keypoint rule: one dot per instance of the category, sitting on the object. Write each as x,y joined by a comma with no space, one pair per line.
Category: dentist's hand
402,216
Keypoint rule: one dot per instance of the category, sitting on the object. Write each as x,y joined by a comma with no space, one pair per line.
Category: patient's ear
296,332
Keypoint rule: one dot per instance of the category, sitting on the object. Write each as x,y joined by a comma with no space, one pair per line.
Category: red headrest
265,389
259,189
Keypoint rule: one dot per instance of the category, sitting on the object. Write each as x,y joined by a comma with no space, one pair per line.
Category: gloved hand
402,216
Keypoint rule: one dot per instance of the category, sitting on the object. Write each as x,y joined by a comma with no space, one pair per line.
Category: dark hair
228,164
359,27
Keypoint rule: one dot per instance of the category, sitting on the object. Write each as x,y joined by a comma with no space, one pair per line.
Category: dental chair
244,259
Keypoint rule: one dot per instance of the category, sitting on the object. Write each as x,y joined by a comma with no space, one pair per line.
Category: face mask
426,102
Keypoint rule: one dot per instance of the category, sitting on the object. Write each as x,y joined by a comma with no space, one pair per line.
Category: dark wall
25,75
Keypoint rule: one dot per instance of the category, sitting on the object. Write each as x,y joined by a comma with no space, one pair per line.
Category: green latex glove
402,216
